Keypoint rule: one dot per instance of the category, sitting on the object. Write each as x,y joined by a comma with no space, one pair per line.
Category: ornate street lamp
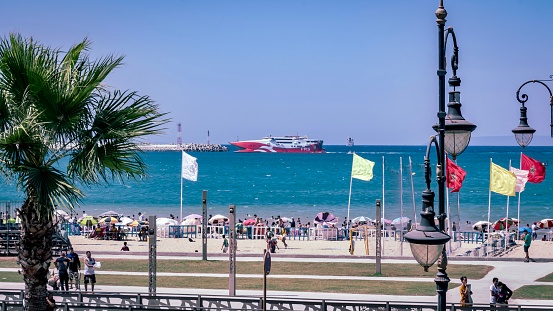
457,129
523,132
427,242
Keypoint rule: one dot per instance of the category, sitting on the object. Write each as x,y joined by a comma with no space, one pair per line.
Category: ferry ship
281,144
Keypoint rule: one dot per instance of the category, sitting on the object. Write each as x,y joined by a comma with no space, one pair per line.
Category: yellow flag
362,168
502,181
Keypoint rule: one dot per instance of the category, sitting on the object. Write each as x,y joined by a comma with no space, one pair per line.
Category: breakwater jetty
186,147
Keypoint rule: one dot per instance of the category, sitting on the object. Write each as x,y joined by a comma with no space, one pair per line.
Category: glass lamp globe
457,129
523,132
427,241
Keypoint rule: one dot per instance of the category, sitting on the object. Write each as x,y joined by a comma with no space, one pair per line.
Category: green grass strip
287,268
274,284
540,292
547,278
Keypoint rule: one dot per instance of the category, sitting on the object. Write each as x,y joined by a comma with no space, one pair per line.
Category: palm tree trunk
35,254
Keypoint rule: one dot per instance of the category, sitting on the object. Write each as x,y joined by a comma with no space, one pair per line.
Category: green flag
362,168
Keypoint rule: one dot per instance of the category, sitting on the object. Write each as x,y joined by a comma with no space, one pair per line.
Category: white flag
522,178
189,167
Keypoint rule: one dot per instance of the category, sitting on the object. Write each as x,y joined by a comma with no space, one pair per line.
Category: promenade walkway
514,273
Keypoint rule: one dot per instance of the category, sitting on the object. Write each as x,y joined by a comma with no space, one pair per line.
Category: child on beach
283,238
125,248
224,247
273,245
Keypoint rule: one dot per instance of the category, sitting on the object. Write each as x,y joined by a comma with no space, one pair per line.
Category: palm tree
61,129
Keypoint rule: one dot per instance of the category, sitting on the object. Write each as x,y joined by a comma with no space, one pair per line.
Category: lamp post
523,132
427,241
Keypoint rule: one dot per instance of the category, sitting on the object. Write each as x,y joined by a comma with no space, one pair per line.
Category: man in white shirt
534,229
494,292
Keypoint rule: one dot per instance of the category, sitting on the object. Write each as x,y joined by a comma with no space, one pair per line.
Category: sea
302,185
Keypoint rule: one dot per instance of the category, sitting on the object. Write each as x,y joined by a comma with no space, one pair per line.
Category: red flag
455,176
535,167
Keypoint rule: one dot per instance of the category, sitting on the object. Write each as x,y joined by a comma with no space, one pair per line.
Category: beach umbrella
109,214
361,219
108,220
249,222
88,221
385,221
400,220
500,224
125,220
481,225
62,214
327,217
134,223
164,221
191,222
546,223
218,219
193,216
285,219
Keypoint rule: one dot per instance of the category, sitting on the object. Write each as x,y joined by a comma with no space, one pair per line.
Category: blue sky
327,69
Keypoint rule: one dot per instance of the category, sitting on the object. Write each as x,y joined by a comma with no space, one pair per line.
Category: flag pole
401,204
507,217
181,168
349,197
489,204
412,191
518,205
383,206
449,216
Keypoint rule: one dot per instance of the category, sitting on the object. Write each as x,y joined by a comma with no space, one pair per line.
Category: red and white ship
282,144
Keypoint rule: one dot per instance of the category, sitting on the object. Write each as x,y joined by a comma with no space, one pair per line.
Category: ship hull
286,144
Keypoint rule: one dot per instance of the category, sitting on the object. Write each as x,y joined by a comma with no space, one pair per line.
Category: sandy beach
391,248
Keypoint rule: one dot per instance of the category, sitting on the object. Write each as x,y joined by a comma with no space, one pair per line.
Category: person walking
494,292
89,276
224,247
74,267
465,292
505,293
535,228
527,241
61,263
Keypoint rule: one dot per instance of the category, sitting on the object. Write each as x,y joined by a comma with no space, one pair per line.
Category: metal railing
77,301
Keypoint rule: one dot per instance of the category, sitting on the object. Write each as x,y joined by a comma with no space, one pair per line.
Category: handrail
132,301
